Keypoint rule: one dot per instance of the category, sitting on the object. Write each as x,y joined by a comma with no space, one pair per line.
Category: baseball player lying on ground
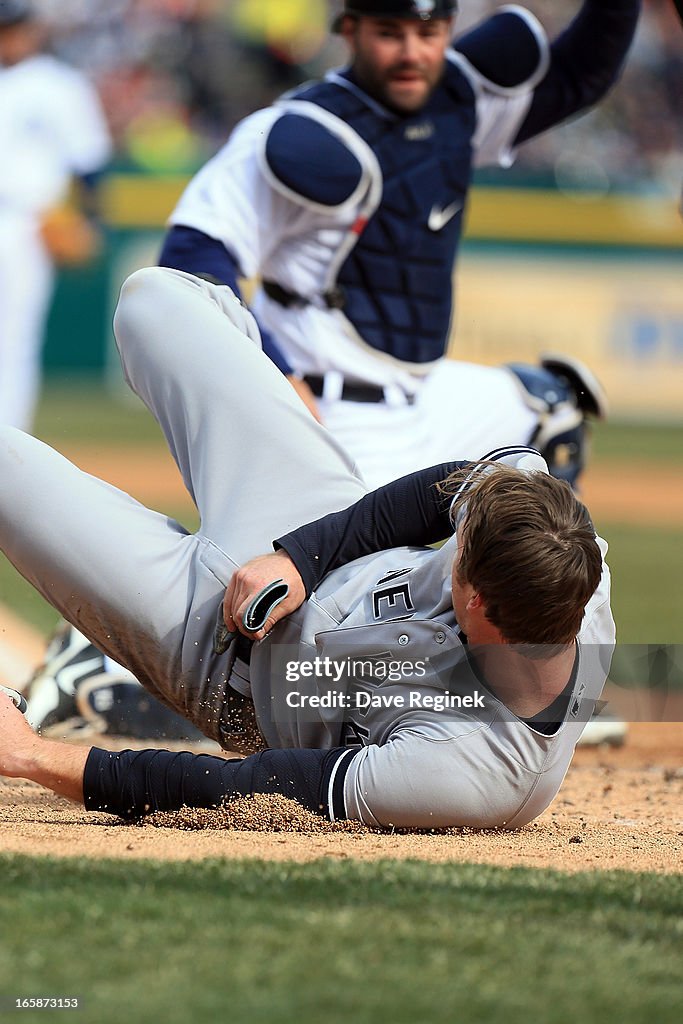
480,662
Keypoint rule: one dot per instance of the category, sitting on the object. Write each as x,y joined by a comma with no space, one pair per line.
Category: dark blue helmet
421,10
13,12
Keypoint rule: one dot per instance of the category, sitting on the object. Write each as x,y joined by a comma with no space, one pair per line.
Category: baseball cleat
76,694
51,692
14,695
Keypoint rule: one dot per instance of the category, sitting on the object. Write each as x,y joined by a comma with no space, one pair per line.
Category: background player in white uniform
257,464
347,197
52,130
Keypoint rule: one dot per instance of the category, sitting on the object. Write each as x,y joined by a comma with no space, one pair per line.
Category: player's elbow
435,803
591,88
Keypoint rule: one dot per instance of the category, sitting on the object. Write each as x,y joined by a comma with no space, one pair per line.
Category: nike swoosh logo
440,216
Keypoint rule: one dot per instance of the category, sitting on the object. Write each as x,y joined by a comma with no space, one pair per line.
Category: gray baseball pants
256,464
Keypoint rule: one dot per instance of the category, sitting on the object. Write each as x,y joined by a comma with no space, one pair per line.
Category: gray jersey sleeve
409,782
419,780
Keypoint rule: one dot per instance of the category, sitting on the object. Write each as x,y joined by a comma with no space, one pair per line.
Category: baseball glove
69,237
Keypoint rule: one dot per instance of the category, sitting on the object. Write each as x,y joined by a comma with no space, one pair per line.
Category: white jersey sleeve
51,128
502,109
268,227
81,124
230,198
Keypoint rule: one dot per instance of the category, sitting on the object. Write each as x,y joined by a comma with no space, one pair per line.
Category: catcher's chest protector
395,283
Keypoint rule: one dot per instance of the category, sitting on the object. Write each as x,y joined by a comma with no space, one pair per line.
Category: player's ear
475,602
347,25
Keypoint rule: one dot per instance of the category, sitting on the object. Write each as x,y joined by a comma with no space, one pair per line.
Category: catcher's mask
418,10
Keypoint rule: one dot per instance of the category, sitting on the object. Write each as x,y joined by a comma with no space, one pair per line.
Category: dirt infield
617,809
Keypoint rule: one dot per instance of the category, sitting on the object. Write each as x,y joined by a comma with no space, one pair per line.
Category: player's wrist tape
17,698
255,616
263,604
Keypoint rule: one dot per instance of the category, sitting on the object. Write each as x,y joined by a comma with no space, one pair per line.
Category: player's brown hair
529,549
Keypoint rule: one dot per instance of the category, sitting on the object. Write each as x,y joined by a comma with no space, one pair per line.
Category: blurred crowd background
176,75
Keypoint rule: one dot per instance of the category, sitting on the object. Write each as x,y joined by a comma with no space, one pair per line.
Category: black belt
243,648
351,392
334,299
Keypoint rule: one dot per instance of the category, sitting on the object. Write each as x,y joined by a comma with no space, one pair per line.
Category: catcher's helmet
13,12
421,10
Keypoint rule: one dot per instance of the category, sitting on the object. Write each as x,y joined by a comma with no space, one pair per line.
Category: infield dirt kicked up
618,809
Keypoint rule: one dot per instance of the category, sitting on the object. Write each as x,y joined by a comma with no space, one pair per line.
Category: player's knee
11,440
141,303
141,288
16,449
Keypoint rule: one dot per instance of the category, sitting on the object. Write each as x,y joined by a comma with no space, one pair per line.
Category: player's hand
17,738
249,581
71,238
306,395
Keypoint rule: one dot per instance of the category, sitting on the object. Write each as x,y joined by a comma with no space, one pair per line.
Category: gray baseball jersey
435,727
257,465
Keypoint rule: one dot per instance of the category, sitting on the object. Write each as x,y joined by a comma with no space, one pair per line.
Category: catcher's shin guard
564,393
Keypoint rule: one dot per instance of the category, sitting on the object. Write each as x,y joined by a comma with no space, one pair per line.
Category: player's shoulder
48,64
305,148
312,155
507,53
62,79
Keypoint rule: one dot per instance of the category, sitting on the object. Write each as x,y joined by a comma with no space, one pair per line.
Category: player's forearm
586,60
52,764
132,783
89,194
